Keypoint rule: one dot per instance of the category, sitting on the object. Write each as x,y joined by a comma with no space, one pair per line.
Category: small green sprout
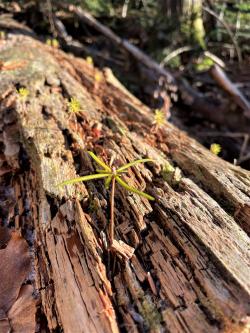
74,105
89,61
98,77
55,43
204,64
52,42
123,130
171,174
111,175
168,168
23,93
2,34
159,118
215,148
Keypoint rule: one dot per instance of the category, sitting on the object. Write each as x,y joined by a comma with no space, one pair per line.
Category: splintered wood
189,270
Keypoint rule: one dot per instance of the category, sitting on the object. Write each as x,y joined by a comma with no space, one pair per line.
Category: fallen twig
215,59
66,38
224,82
175,53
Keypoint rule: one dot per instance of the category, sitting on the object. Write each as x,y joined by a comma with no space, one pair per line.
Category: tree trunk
192,22
190,269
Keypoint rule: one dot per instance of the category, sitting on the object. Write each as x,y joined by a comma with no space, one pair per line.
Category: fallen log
190,269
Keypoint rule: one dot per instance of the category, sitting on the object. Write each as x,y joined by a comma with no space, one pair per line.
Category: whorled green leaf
108,181
126,166
132,189
99,161
83,179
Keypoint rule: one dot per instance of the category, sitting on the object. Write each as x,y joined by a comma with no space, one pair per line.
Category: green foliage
198,32
98,7
110,173
237,16
244,6
204,64
175,62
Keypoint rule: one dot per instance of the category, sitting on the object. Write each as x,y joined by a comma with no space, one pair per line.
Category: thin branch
224,82
175,53
66,38
243,148
215,59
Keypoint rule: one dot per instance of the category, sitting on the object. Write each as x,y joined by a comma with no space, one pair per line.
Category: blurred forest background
192,40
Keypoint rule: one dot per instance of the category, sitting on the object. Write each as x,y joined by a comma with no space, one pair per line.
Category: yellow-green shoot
111,175
74,106
23,93
215,148
159,118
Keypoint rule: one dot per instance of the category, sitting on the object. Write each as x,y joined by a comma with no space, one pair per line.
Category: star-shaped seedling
111,175
159,118
74,106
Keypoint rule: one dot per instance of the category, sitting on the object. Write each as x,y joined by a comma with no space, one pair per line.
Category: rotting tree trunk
190,271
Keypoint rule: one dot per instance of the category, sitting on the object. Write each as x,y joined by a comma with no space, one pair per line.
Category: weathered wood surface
190,271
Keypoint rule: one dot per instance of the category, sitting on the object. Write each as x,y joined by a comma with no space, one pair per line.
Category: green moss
204,64
150,313
170,174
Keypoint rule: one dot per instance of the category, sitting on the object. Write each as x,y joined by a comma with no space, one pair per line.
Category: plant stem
112,206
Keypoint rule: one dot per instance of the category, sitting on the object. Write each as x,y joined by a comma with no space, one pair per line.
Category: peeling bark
190,270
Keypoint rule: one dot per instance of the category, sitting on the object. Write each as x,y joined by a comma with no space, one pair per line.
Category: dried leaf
15,260
22,314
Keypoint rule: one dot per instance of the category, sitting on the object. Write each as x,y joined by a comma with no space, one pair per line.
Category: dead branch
224,82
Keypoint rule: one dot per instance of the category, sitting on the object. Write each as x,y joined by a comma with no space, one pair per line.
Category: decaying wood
190,269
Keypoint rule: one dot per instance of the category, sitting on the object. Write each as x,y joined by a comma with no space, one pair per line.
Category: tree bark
190,269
